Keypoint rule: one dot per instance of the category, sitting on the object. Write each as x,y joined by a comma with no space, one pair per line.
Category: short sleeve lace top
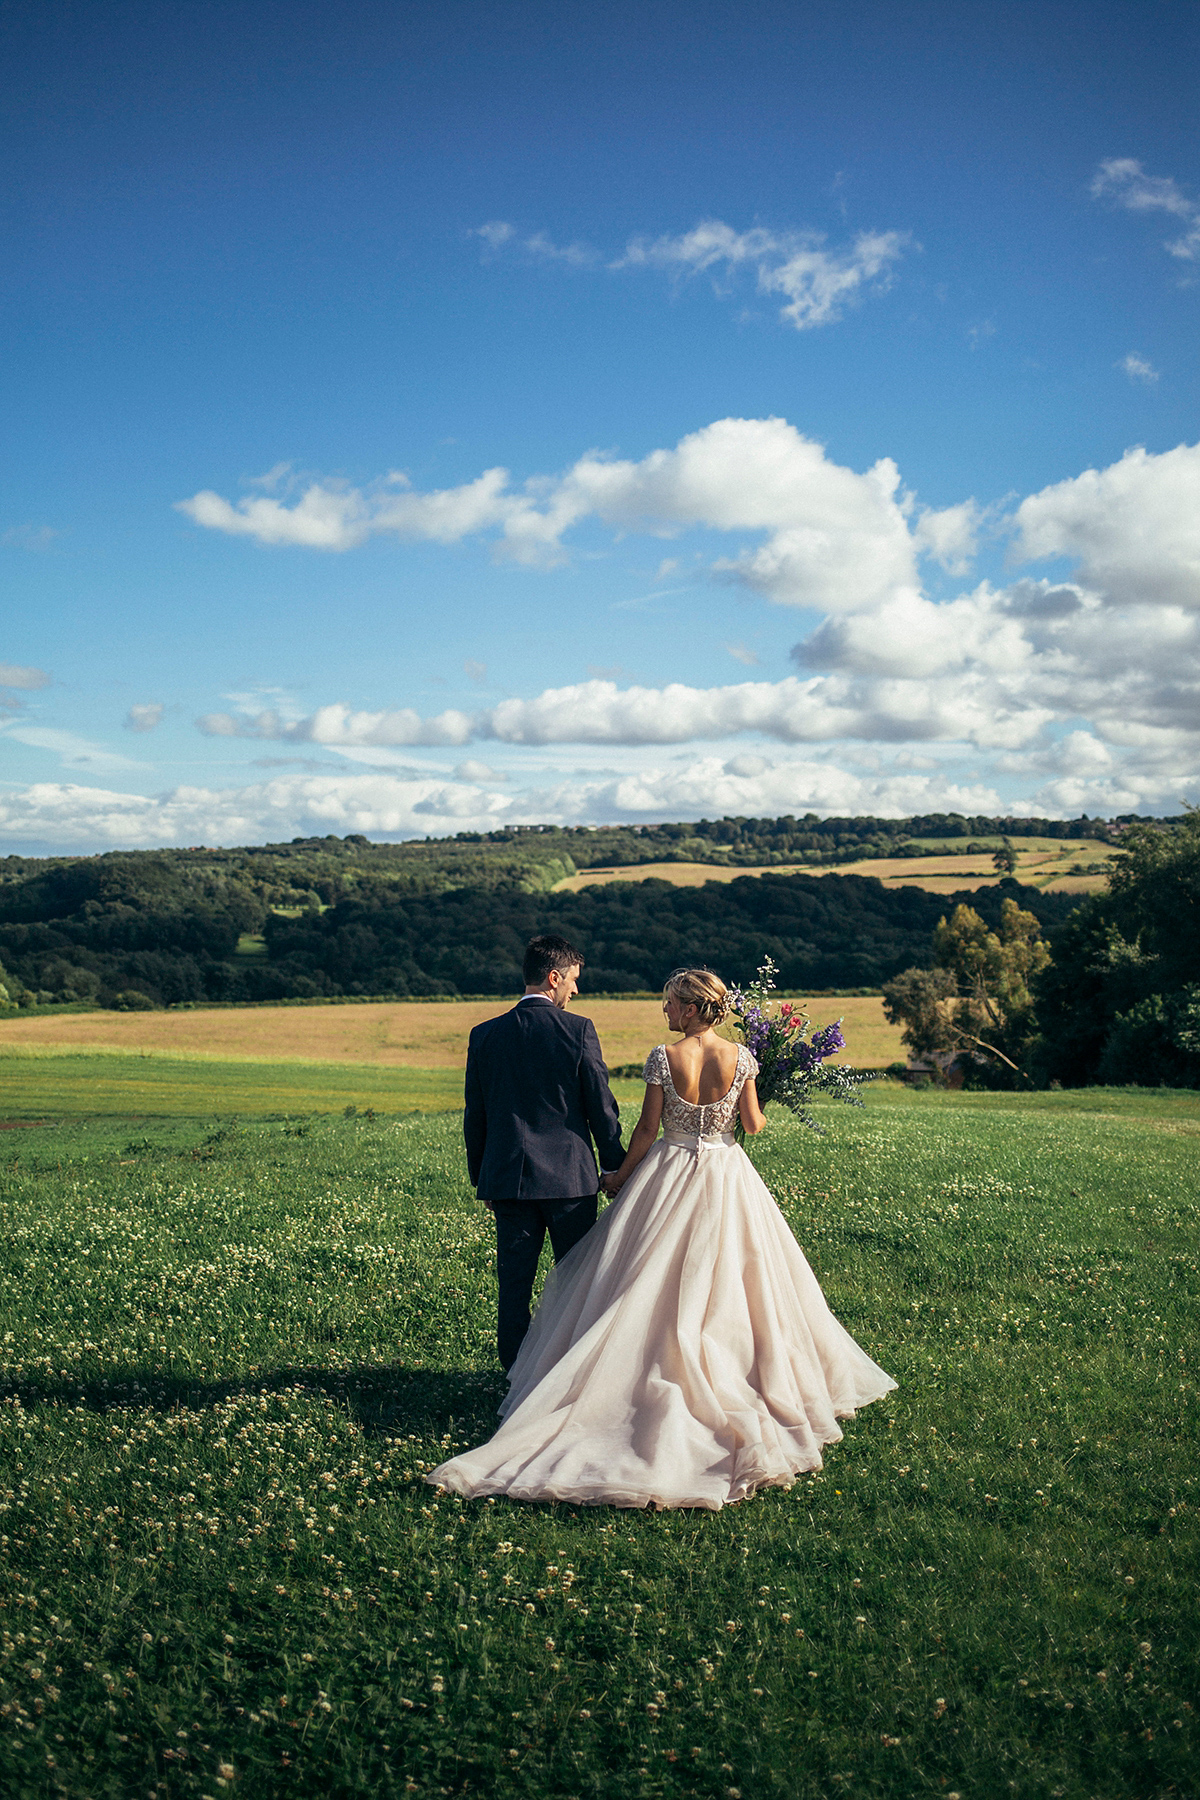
681,1115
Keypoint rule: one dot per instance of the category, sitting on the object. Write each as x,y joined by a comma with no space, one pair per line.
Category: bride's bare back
702,1068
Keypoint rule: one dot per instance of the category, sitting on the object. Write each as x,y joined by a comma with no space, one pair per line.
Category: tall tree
1121,1002
1004,860
976,1003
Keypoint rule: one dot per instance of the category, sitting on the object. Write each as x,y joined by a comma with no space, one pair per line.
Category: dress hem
634,1500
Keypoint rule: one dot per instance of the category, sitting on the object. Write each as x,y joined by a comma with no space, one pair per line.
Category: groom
537,1094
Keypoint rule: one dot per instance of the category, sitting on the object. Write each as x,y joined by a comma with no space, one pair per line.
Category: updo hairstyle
699,988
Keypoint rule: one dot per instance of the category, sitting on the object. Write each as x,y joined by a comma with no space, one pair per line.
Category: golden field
397,1034
1041,862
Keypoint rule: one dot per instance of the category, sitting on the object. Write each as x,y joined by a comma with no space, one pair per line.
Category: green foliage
793,1065
1156,1041
821,932
917,999
976,1004
1004,860
12,988
993,968
1154,896
229,1357
443,916
1117,997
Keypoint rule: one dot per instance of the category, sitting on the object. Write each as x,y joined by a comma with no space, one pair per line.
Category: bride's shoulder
747,1063
656,1064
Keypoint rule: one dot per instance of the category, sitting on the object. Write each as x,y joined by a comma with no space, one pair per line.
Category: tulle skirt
683,1353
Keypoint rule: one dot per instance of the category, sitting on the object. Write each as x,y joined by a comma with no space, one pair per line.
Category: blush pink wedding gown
683,1353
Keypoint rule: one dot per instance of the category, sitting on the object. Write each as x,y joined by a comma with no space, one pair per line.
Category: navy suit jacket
537,1095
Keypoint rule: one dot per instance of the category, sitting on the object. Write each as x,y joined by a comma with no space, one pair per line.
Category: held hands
610,1184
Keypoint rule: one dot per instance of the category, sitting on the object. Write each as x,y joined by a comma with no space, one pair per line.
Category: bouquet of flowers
793,1065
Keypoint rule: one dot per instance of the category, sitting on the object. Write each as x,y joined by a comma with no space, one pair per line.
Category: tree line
1012,983
331,916
1113,997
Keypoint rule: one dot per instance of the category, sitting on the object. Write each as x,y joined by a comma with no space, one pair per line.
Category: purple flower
828,1042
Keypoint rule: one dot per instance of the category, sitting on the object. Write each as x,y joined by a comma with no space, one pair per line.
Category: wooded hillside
332,916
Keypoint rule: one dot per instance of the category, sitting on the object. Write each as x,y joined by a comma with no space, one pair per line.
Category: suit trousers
521,1227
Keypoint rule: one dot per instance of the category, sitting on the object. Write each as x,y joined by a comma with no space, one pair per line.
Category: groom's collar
545,997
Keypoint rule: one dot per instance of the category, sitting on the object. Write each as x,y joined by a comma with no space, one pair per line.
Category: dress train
682,1355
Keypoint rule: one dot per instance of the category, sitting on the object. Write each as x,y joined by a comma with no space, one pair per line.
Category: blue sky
424,418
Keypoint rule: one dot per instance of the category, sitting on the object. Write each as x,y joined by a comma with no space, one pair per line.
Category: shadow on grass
384,1400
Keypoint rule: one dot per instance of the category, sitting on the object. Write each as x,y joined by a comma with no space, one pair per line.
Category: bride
683,1353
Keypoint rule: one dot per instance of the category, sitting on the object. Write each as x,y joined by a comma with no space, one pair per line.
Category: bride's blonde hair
699,988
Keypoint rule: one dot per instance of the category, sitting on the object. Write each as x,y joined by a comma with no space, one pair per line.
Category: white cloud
17,675
496,233
1081,773
898,701
911,637
1134,527
29,537
950,535
577,255
834,538
144,718
816,282
470,770
340,728
598,712
741,653
993,671
330,516
71,816
1123,179
980,333
72,751
994,676
1137,368
273,479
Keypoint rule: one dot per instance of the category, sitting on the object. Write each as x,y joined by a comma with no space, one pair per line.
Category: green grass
229,1354
160,1084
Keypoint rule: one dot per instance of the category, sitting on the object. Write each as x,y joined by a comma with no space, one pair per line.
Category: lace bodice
680,1115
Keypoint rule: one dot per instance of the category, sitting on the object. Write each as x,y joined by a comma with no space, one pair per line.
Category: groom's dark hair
549,952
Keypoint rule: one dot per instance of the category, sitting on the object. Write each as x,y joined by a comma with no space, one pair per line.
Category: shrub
1156,1043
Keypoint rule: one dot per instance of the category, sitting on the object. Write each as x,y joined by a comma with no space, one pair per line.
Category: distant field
412,1036
679,874
1041,862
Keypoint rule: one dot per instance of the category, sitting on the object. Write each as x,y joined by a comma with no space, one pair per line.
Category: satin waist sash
700,1141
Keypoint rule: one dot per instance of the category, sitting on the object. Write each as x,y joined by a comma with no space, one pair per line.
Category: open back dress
683,1353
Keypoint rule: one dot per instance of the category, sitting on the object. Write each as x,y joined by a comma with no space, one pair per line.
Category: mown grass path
230,1351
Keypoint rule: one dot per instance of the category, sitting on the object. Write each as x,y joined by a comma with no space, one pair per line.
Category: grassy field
1041,862
230,1352
159,1084
394,1057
